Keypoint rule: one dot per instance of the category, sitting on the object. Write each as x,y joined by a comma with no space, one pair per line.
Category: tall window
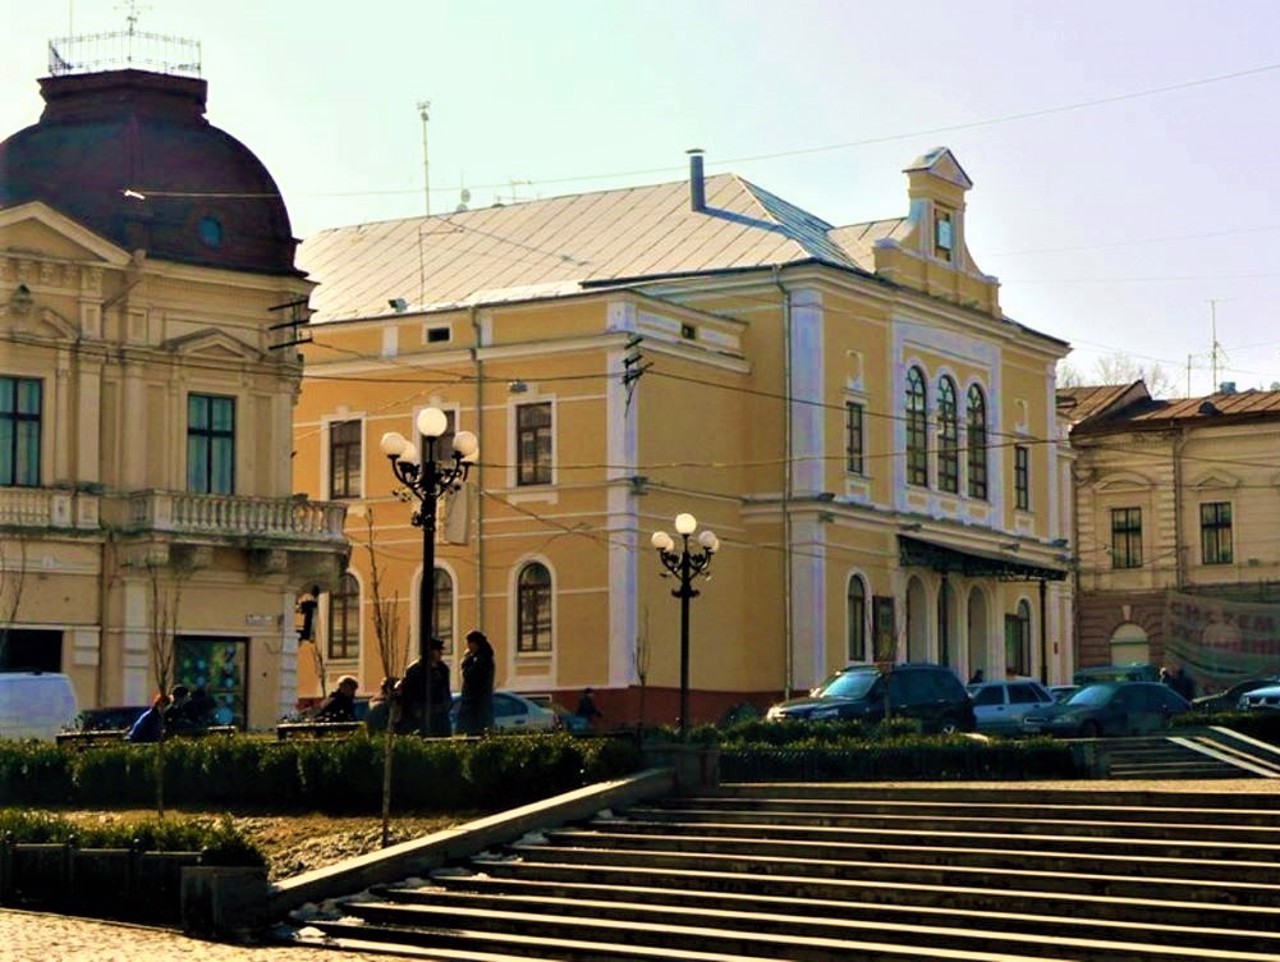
853,438
344,618
442,622
1022,477
977,443
1017,640
1126,537
917,430
211,444
943,235
345,442
533,443
1215,533
19,432
856,612
948,437
533,615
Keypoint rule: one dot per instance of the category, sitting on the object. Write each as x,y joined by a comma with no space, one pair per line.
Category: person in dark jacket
150,724
426,691
341,705
475,706
587,708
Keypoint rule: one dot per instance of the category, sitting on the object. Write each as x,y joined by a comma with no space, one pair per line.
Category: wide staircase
1192,753
821,873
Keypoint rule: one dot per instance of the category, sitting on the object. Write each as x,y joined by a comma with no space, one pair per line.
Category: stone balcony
223,517
49,509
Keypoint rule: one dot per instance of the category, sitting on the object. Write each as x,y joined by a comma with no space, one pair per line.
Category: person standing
475,706
440,700
150,724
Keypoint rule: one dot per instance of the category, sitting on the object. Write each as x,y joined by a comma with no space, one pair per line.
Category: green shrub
218,839
34,773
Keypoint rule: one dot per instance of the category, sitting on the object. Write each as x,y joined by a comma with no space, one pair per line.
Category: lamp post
426,480
686,566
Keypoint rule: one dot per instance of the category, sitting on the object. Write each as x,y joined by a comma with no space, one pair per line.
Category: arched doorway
1129,645
977,625
917,621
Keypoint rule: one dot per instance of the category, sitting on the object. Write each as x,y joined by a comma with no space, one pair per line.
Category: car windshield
1092,695
849,684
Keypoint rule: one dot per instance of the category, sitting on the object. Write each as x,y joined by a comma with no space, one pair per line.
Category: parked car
1134,672
36,704
116,718
1230,699
1063,692
514,712
931,694
1000,706
1261,699
1110,708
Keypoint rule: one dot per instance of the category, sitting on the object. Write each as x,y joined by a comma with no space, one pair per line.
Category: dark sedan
1229,700
1110,708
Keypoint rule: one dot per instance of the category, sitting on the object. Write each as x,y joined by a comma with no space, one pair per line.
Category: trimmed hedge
328,775
220,842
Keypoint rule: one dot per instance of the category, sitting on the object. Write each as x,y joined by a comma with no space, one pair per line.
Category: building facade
148,532
875,444
1177,522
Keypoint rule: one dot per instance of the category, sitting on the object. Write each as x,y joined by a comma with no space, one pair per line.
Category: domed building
149,312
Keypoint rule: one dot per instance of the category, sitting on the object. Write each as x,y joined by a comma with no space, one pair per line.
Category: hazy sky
1112,224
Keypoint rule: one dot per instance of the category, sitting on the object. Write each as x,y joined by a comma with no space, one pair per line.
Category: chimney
1227,387
697,185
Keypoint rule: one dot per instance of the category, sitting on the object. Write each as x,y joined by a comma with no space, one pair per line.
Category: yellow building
148,529
1176,530
874,443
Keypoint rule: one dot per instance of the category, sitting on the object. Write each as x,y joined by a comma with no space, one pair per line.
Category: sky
1122,152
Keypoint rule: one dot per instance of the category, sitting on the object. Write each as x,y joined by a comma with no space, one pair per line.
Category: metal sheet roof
551,247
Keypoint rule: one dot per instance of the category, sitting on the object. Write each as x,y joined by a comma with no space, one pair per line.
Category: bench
287,730
114,736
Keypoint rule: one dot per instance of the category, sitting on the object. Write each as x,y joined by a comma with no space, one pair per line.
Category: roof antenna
423,107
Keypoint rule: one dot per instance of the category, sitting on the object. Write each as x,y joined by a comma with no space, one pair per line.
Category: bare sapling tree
165,578
13,573
640,654
394,653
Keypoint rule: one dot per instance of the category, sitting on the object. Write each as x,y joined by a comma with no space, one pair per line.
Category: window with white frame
533,443
977,441
948,437
346,439
344,619
856,615
211,444
533,609
854,438
917,429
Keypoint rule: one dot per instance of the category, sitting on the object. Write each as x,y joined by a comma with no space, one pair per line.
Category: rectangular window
1022,477
1215,533
533,443
1126,537
345,446
211,444
853,438
943,236
20,432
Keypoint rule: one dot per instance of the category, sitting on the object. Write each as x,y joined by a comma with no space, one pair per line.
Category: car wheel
1090,729
949,726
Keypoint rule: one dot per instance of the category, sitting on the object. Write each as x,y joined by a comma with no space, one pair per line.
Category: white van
36,704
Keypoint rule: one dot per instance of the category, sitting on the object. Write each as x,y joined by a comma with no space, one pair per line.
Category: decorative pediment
212,343
1119,481
22,316
1216,478
35,229
940,162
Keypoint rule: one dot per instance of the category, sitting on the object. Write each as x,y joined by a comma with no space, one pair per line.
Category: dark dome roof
206,199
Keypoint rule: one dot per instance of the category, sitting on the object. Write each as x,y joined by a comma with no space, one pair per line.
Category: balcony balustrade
280,519
47,508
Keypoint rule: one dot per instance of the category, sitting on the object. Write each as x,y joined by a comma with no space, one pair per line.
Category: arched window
533,609
442,627
344,618
1017,640
948,437
977,443
856,613
917,429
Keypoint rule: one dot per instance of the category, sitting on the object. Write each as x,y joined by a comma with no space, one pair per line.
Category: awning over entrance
972,562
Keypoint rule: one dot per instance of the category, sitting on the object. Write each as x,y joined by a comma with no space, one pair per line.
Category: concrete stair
1192,754
854,872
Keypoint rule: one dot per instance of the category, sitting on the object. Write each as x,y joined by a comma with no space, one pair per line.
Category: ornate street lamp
426,480
686,566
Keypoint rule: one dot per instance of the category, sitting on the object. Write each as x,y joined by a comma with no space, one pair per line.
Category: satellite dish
466,196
